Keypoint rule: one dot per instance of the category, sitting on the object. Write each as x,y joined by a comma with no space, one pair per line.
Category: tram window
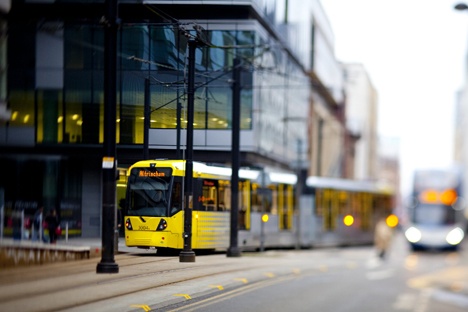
224,196
262,200
355,204
148,197
285,206
277,200
331,210
244,205
343,202
209,197
143,205
366,211
255,198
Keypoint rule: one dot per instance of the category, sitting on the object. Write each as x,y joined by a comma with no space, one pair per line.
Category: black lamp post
107,264
147,116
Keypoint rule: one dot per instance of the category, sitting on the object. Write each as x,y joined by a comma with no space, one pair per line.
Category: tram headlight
455,236
128,224
162,225
413,235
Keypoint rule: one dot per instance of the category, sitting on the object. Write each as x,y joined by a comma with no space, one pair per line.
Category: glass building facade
72,110
56,97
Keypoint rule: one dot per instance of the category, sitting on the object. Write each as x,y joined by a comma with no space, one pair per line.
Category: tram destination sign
153,172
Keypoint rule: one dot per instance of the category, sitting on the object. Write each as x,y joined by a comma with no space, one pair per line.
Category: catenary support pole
147,115
233,250
187,254
107,264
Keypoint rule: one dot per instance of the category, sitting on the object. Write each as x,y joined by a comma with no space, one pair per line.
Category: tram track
231,293
14,275
156,283
203,297
82,286
88,302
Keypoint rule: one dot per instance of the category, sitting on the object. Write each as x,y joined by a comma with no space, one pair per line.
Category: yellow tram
329,211
154,215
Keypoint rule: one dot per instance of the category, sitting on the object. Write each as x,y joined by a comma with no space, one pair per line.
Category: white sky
414,52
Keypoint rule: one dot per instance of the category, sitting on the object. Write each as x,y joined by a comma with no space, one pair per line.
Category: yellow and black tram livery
154,215
328,212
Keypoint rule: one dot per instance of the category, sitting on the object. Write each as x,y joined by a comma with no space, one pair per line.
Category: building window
83,110
74,113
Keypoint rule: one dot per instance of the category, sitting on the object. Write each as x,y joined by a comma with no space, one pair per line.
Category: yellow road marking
243,280
454,278
186,296
296,271
269,274
457,286
143,306
217,286
351,265
411,262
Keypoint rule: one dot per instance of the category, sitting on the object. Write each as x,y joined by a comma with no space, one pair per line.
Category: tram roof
219,171
347,184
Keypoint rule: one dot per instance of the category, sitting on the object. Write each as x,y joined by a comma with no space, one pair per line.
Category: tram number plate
143,228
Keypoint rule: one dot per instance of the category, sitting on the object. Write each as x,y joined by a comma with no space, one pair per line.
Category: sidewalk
26,252
95,245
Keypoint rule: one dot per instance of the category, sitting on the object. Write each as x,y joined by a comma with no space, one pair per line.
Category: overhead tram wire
223,70
172,20
224,73
200,34
206,83
299,86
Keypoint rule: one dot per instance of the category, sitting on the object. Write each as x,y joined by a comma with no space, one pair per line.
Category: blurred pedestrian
382,237
37,228
53,225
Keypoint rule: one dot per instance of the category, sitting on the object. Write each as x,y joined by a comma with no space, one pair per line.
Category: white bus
436,211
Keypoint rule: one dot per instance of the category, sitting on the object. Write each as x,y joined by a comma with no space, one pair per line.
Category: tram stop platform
26,252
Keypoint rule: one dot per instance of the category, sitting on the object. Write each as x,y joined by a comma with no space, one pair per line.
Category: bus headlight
162,225
455,236
128,224
413,235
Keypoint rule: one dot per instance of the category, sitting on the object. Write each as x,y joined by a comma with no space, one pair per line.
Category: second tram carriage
331,211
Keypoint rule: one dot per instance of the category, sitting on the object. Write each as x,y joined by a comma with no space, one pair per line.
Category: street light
461,6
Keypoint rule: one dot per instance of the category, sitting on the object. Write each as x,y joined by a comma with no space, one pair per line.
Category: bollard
41,230
22,224
2,218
